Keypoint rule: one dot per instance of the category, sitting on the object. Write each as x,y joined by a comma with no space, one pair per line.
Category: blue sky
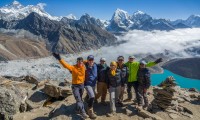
104,9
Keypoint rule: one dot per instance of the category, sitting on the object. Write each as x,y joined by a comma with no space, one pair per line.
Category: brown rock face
19,48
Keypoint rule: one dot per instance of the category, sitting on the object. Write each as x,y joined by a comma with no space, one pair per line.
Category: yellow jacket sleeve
66,65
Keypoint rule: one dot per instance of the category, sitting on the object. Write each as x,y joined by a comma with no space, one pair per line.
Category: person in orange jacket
78,79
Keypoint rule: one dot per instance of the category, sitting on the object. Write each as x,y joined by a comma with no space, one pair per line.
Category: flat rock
173,116
56,91
36,100
146,114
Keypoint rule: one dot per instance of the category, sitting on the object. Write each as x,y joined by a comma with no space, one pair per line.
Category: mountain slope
19,48
187,67
74,36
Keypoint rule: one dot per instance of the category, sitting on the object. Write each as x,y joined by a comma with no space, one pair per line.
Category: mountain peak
15,2
120,14
71,16
138,12
16,11
15,5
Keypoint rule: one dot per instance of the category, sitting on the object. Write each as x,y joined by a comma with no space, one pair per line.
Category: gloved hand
158,60
57,56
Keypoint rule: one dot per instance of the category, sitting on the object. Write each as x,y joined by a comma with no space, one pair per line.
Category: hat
103,59
143,62
90,57
131,56
120,58
79,59
113,63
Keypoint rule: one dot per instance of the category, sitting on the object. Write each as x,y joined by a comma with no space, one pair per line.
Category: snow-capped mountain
71,16
192,21
16,11
120,21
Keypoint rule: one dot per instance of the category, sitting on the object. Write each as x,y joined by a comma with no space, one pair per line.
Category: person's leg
77,95
135,85
140,95
91,94
146,102
104,92
129,85
112,99
117,93
99,90
121,95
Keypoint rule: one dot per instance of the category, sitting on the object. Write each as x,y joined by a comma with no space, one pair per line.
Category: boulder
56,91
36,100
10,101
31,79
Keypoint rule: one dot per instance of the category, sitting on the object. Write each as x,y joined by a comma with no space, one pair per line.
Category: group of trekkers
114,78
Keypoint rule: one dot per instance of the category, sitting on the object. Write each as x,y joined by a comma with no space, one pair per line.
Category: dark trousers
78,93
135,86
143,96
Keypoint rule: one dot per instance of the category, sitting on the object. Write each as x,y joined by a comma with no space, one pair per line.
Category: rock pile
165,97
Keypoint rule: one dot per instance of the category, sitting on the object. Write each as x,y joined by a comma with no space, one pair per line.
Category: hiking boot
84,115
91,113
111,114
127,100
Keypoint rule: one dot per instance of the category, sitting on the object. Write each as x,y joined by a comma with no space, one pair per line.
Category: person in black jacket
144,82
114,84
125,73
102,69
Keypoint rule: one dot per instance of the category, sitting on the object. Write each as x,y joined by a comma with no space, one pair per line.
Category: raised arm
62,62
150,64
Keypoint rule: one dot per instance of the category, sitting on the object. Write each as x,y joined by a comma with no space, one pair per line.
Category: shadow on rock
38,97
68,111
42,118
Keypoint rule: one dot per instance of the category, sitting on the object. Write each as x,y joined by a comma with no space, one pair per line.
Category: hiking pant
121,95
135,86
114,95
142,96
78,92
101,91
91,94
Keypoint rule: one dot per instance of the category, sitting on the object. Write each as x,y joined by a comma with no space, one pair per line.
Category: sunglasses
102,61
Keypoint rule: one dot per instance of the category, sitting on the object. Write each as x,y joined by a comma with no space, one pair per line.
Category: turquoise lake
182,81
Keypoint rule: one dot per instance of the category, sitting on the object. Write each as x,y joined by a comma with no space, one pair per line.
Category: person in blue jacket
90,83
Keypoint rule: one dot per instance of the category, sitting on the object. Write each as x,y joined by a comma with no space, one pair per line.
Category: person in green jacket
132,79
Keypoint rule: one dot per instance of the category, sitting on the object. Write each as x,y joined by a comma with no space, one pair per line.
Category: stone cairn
165,97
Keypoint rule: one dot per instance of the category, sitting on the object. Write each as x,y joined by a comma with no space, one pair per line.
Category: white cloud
143,42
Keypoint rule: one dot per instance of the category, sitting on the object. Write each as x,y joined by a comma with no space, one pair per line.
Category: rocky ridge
25,98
